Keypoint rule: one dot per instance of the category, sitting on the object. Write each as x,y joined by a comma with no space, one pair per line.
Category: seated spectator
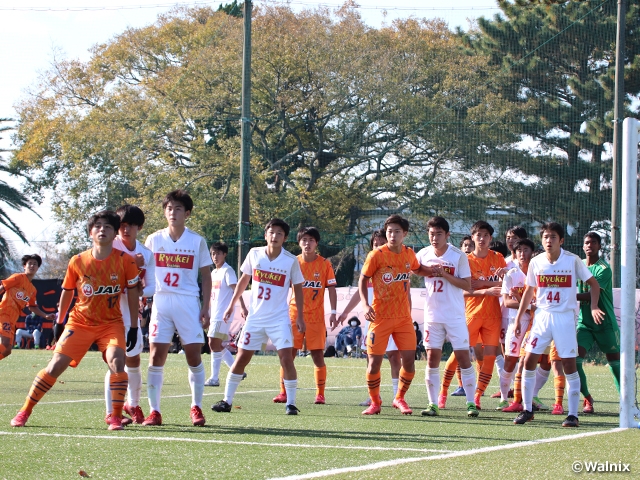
420,350
349,337
31,330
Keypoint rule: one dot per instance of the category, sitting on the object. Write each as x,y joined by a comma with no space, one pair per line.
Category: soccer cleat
221,406
513,407
472,410
557,409
442,401
374,409
319,400
211,382
538,404
244,375
524,417
291,410
135,413
459,392
154,419
587,405
401,404
431,411
476,399
197,418
280,398
496,395
366,403
502,405
20,420
123,420
115,423
570,421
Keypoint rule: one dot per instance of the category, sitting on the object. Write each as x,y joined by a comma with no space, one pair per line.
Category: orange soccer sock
118,386
517,388
478,367
320,374
559,383
373,384
459,376
41,385
405,382
282,390
486,371
449,372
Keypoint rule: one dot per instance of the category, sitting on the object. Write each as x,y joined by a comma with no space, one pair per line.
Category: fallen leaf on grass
238,407
82,473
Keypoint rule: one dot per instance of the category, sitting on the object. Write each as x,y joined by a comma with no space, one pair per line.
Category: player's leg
215,345
432,373
290,378
196,377
155,379
404,336
395,362
6,345
501,353
559,381
377,342
234,377
609,342
118,381
542,375
490,332
316,339
298,341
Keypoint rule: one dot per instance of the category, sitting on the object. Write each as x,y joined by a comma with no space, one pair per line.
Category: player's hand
139,260
227,314
244,313
493,291
517,330
478,284
598,315
58,328
502,271
437,270
333,322
302,327
205,318
515,294
51,316
132,338
369,313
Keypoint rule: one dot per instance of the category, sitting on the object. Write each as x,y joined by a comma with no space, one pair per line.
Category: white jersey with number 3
557,282
444,302
270,285
177,263
221,292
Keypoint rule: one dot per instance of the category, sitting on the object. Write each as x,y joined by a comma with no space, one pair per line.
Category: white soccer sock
227,358
394,383
573,392
216,361
468,377
291,386
155,379
233,380
500,365
528,382
107,392
432,379
196,382
135,385
541,378
505,384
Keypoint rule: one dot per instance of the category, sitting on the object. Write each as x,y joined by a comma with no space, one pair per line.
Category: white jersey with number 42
444,302
270,284
177,263
557,282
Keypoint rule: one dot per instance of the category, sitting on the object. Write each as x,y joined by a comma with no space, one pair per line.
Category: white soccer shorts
173,313
557,326
503,330
219,329
512,342
435,334
254,336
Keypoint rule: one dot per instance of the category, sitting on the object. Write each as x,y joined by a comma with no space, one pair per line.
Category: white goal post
630,137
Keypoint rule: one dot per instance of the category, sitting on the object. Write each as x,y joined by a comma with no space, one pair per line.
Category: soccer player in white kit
449,276
131,222
272,269
180,254
223,284
555,275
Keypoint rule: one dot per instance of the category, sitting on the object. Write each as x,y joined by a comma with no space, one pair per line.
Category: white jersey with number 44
557,282
444,302
177,263
270,284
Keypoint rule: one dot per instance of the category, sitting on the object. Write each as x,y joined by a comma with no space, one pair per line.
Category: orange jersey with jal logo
19,292
390,273
318,275
99,284
486,306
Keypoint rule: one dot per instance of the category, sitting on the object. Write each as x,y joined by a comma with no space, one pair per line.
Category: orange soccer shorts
400,328
547,350
316,335
487,328
77,339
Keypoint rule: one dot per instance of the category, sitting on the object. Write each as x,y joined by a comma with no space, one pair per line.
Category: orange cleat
197,418
557,409
476,400
401,404
135,413
20,420
320,400
123,420
514,407
154,419
280,398
374,409
442,401
588,405
115,423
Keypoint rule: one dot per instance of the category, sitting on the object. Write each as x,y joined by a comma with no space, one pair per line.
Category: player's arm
241,286
133,302
597,314
333,302
149,288
35,309
424,271
205,316
245,312
461,283
369,313
527,296
493,291
299,299
350,306
66,298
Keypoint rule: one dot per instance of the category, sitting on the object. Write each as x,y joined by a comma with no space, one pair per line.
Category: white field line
224,442
463,453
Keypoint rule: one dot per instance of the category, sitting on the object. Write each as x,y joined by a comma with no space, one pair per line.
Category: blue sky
33,31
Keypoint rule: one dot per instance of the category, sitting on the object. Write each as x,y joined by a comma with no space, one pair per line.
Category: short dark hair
33,256
524,242
593,236
311,231
500,247
377,234
180,196
397,219
481,225
465,238
131,215
552,227
438,222
518,231
277,222
219,247
110,216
